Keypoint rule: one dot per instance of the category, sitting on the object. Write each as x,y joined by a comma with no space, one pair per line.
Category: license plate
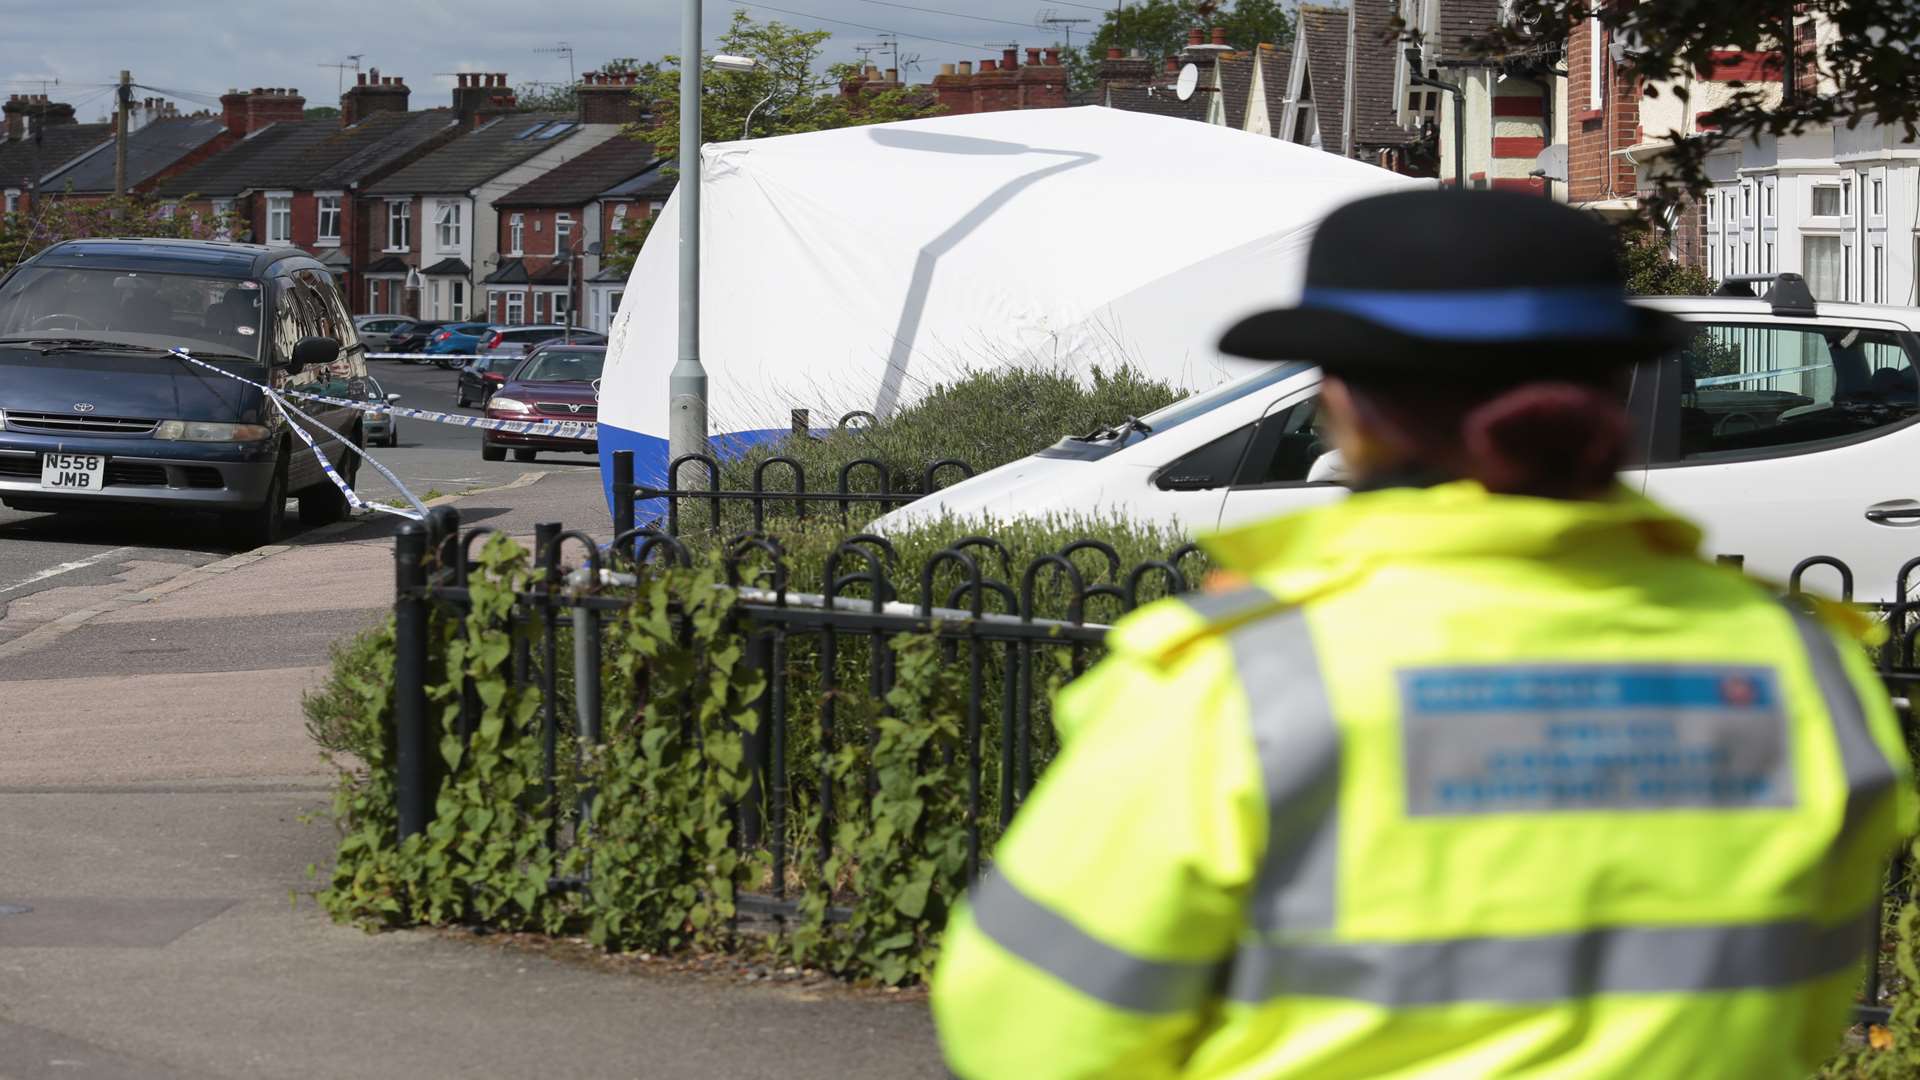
73,472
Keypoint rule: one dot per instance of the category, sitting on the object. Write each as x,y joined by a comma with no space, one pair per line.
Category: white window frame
456,299
280,213
516,233
327,203
1879,266
557,304
373,296
1813,200
447,223
433,297
13,200
1879,197
399,225
562,228
1597,56
513,309
619,218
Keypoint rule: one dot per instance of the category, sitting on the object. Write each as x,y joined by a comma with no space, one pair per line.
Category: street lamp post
687,385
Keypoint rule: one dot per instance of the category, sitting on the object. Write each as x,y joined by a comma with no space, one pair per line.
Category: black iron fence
779,481
992,620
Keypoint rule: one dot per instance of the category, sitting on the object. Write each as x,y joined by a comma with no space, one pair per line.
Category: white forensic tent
850,269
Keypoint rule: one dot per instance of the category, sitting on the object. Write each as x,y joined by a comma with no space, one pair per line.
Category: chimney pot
893,75
359,78
1219,35
988,65
1173,65
1116,53
1053,57
946,69
964,67
1196,36
1009,58
1033,57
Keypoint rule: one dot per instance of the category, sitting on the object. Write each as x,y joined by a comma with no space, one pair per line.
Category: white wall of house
486,232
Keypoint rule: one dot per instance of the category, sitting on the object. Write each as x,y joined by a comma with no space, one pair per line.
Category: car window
1285,446
1769,389
557,364
1211,466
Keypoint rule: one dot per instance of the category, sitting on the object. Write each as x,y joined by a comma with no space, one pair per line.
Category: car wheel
524,455
492,453
266,523
460,394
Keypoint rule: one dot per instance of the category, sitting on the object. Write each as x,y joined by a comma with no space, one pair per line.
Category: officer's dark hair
1558,439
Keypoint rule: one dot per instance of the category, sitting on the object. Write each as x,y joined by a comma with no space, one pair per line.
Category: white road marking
65,568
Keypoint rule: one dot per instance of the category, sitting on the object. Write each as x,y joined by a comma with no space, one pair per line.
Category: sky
194,50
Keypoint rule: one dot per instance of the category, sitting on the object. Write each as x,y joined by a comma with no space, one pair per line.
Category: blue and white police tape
419,511
559,429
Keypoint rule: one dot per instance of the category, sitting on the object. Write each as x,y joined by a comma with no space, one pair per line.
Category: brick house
433,230
40,137
996,86
1511,107
158,148
293,181
551,233
624,206
1317,87
1249,90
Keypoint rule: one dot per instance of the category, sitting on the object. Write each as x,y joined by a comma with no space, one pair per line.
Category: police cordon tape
419,511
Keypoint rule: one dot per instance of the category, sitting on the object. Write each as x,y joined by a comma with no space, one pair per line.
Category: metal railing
994,624
803,500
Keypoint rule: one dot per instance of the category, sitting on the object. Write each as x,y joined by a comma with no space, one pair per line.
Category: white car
1786,429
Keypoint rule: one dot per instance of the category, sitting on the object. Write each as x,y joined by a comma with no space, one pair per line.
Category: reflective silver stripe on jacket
1051,942
1551,967
1869,774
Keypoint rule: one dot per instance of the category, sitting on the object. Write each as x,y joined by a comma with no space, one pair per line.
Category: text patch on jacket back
1524,739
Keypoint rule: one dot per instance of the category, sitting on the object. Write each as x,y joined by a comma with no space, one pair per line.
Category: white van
1786,429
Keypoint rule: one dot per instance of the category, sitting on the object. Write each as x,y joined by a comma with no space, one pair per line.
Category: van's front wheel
267,523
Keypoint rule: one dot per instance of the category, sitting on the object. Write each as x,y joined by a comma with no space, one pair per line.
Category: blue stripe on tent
1486,314
650,462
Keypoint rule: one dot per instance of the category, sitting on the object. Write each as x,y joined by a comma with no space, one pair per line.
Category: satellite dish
1552,163
1189,82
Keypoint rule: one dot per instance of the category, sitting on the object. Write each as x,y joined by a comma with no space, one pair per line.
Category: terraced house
294,181
436,233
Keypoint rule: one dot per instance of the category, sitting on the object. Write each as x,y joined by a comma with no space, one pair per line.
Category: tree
798,93
1865,65
1158,28
321,112
53,219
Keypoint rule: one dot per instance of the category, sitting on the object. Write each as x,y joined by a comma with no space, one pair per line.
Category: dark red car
557,382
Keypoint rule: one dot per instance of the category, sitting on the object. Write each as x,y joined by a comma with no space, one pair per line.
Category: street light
726,62
687,385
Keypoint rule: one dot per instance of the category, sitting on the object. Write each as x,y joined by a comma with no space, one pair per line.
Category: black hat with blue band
1489,286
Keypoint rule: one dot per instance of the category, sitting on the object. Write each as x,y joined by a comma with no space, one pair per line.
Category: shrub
335,713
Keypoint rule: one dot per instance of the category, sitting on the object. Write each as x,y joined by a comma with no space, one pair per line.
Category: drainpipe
1546,117
1459,115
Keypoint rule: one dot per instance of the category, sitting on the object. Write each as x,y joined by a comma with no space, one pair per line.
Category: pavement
158,813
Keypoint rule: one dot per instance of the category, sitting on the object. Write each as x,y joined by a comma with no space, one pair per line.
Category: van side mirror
313,352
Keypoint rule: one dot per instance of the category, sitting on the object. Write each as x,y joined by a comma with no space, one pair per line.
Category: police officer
1482,772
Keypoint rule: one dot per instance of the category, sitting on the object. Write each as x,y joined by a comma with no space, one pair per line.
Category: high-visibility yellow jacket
1459,785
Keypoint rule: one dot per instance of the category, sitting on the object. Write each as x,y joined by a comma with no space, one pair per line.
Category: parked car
518,341
558,382
414,337
376,331
1786,429
478,379
456,339
576,337
95,415
380,429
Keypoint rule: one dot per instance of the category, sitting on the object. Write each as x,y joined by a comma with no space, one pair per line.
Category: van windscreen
138,308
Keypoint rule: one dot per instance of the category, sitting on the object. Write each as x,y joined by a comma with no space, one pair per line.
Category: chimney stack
1220,37
1009,58
474,95
1119,69
608,98
372,93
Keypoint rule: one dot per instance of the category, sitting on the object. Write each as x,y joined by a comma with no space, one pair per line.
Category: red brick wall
1593,171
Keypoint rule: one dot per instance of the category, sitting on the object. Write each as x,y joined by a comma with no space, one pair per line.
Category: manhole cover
14,909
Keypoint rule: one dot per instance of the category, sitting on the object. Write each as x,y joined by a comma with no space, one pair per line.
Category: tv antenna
561,48
889,44
1051,18
340,70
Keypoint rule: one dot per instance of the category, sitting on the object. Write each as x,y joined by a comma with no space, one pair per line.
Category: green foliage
1651,272
51,218
1892,1052
799,93
1158,28
965,418
359,665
